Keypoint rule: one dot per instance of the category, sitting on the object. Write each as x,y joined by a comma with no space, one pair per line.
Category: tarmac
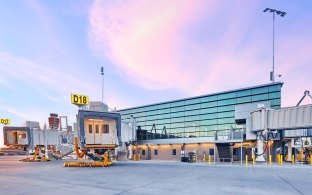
152,177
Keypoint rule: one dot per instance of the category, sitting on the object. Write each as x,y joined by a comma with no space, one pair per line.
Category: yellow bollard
204,158
209,159
278,159
310,159
253,160
293,159
270,160
281,157
246,158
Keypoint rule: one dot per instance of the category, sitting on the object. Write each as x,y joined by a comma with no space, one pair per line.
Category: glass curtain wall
199,116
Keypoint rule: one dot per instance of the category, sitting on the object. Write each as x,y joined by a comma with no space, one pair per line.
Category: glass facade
198,116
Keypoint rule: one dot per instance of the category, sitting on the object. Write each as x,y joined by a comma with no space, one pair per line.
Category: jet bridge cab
99,130
16,136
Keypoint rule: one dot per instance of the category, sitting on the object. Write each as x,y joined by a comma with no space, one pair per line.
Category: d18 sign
79,99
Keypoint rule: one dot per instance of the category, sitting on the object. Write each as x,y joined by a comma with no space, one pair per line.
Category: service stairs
224,152
93,157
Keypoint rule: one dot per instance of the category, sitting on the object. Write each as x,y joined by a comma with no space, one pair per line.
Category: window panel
225,114
105,128
162,116
192,101
192,118
209,98
152,112
150,122
274,95
140,114
140,119
209,128
275,88
225,120
227,96
243,93
177,109
97,129
260,97
208,122
208,110
276,102
177,114
162,111
179,103
191,123
208,116
192,107
260,90
244,99
226,108
209,104
175,120
177,125
226,102
90,128
163,121
192,112
151,118
142,109
161,106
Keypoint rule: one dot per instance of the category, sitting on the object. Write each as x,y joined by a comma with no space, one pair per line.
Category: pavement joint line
289,183
154,182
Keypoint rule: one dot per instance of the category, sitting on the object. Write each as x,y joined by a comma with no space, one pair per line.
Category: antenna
102,73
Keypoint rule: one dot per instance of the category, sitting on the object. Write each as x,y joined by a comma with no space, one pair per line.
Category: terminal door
93,133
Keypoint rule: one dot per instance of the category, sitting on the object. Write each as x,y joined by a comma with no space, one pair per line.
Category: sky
151,50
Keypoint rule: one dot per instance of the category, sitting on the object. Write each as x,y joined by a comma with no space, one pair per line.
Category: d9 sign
5,121
79,99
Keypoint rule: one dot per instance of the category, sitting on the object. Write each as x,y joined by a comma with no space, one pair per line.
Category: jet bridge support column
289,152
260,151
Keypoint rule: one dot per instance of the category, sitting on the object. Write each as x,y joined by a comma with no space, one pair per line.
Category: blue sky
152,51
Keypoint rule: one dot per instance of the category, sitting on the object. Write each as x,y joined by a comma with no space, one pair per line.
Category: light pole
282,14
102,73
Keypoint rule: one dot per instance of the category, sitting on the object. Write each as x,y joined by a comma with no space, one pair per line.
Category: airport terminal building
201,124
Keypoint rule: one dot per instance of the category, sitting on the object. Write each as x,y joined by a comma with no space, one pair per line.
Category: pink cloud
151,44
143,38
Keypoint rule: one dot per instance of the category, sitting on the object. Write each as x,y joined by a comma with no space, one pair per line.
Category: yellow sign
79,99
5,121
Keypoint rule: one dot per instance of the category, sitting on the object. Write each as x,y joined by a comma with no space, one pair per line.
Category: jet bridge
288,119
264,119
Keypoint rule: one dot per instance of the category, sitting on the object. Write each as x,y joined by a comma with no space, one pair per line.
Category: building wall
165,151
200,116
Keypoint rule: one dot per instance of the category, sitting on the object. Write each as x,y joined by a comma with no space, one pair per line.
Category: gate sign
5,121
79,99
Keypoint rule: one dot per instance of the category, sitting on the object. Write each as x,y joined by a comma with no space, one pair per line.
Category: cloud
143,39
194,48
41,76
